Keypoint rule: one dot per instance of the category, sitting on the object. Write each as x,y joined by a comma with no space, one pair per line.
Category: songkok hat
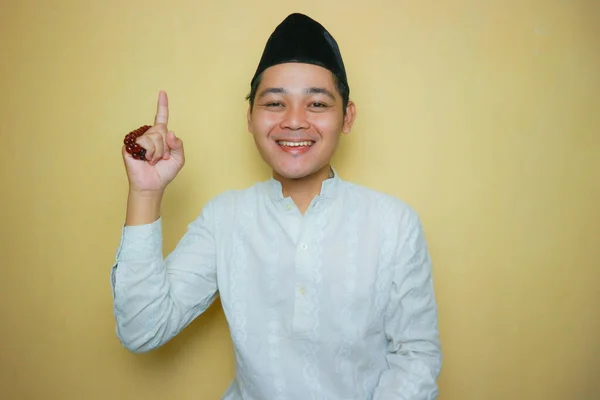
300,38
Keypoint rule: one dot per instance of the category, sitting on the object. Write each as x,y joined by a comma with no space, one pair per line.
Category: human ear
349,117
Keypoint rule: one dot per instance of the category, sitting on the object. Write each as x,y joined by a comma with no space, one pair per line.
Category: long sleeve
414,354
154,299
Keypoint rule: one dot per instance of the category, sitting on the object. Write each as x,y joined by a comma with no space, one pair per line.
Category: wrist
145,195
143,207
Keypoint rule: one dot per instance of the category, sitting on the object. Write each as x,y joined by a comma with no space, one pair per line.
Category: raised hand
164,154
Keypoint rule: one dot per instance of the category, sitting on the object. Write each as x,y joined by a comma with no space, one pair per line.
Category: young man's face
297,119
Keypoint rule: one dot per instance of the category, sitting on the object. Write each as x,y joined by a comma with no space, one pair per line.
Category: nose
294,118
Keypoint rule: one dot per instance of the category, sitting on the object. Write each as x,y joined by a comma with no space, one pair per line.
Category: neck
303,190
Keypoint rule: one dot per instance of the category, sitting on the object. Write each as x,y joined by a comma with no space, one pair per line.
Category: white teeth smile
294,144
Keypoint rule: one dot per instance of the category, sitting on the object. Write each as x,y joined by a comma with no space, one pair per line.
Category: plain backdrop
482,115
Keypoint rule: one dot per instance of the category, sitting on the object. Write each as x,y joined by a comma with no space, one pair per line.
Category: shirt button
302,291
289,206
304,246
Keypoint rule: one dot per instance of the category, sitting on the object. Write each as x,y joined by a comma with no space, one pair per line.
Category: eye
274,104
317,106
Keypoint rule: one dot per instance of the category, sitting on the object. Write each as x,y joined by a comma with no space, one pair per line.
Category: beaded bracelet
136,151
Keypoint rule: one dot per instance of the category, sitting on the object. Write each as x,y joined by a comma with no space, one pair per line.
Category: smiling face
297,118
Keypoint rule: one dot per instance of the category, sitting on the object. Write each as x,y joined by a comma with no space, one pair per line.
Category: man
326,285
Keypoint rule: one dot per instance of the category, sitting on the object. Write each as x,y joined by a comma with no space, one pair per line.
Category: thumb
175,144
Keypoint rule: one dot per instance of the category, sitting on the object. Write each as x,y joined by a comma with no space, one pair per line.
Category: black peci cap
301,39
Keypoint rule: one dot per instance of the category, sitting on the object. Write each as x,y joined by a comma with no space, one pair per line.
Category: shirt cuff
140,242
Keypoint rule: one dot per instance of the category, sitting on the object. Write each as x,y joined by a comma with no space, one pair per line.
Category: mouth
285,143
295,147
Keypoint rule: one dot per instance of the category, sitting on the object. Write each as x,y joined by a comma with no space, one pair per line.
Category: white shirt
335,304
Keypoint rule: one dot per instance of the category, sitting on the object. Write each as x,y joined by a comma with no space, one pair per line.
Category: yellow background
484,116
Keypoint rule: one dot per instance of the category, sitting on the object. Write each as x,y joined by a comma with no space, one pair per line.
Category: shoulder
390,207
222,209
229,201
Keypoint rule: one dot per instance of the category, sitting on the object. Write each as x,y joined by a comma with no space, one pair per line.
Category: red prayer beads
136,151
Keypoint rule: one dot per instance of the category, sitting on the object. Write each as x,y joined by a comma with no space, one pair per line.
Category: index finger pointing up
162,109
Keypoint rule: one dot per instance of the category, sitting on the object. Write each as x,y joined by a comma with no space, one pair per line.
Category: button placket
303,278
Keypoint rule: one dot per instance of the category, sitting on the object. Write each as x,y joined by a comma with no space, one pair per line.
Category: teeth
294,144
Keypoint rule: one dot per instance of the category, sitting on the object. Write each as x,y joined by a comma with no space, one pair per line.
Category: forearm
141,309
143,208
148,312
155,298
414,352
412,374
140,287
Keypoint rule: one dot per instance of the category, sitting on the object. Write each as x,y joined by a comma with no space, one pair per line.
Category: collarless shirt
335,304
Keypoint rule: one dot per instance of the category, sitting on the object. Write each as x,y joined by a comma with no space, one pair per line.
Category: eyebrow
312,90
316,90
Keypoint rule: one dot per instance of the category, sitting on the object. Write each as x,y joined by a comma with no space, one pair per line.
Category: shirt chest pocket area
355,295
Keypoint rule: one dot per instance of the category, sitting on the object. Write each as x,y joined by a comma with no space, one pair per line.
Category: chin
297,172
293,176
289,173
